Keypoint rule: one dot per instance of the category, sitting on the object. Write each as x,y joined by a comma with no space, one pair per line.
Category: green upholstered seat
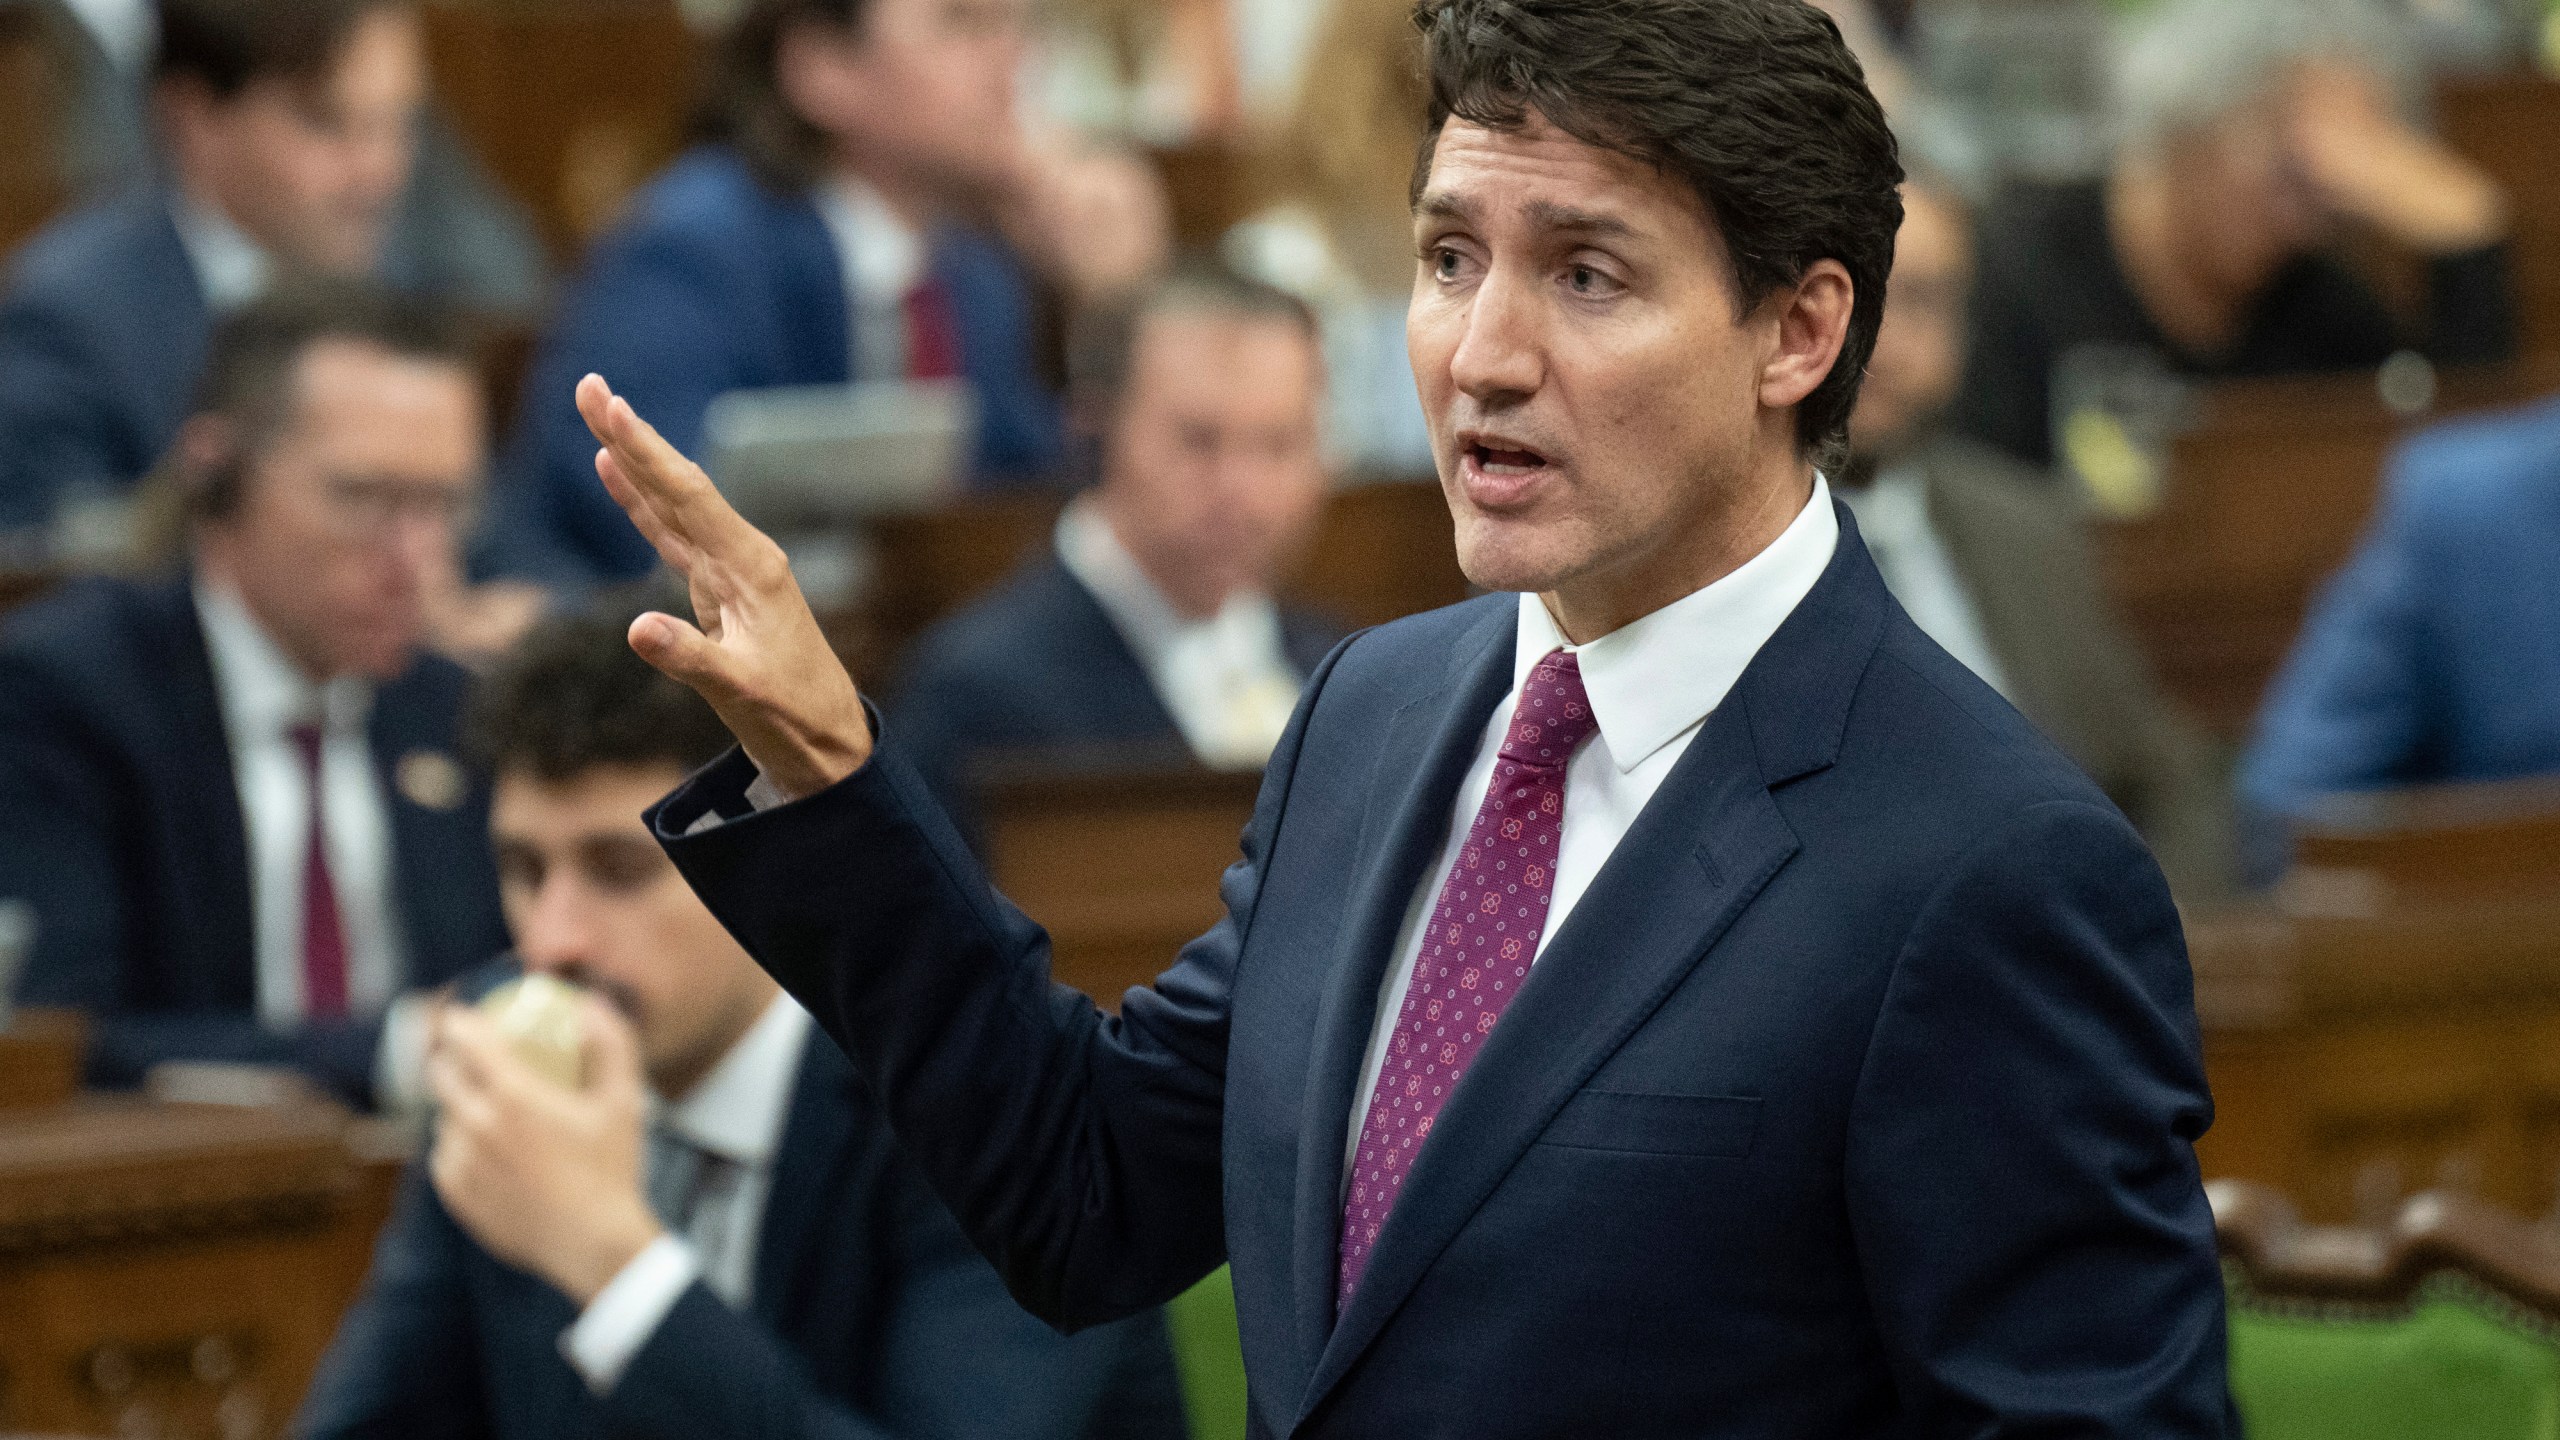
2460,1363
1211,1358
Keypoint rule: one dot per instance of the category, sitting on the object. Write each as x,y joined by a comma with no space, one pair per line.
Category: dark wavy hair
1756,104
740,103
572,697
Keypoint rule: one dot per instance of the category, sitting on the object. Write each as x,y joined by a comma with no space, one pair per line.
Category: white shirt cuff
627,1311
400,1059
761,796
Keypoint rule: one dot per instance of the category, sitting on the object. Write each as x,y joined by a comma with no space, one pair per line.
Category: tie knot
305,735
1553,717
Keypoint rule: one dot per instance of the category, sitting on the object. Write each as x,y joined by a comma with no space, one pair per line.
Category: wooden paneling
572,103
2264,499
32,106
1120,864
2392,1021
2510,125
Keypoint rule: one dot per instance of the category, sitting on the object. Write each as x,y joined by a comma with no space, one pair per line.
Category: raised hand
758,655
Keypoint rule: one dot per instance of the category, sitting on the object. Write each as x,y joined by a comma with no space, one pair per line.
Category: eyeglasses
374,508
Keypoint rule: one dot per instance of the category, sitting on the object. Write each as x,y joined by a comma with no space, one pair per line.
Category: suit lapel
1701,851
1432,740
200,785
813,1147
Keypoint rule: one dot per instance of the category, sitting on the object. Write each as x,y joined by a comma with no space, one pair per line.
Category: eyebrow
1542,214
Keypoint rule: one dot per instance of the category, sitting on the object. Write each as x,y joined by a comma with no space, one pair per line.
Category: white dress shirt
735,1113
262,697
230,268
883,258
1893,517
1226,679
1652,684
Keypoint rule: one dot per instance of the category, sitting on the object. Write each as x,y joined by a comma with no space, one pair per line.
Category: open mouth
1499,460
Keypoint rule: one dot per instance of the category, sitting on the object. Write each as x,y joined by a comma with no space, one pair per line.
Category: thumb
682,652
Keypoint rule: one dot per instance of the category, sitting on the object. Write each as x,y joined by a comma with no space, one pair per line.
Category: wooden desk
2392,1022
1121,864
2264,500
2509,124
176,1270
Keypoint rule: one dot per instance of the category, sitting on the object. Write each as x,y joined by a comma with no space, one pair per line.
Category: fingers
684,654
613,1051
673,488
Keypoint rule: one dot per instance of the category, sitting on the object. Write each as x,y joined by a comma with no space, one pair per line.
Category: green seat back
2459,1364
1210,1356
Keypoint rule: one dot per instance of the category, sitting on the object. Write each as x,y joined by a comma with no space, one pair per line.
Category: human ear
1813,323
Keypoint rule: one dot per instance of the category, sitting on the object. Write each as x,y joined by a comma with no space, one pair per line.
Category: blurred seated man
716,1235
831,230
288,129
2252,136
1996,567
2432,655
1150,630
231,794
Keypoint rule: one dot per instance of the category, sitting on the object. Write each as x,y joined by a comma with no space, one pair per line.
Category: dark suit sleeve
1079,1151
60,852
647,316
2021,1176
54,429
406,1360
2472,309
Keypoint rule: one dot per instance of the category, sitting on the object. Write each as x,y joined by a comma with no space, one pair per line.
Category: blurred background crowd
2211,422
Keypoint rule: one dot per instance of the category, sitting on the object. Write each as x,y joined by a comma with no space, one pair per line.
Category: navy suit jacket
120,822
715,283
2430,657
1037,666
1855,1098
102,333
103,326
871,1318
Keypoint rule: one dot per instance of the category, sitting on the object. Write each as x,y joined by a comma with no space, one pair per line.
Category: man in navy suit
747,1256
231,794
818,238
1853,1089
289,130
2429,656
1149,634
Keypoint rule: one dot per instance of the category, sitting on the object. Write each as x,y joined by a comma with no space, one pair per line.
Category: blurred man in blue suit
1669,996
746,1256
231,794
289,133
2430,658
1148,633
828,231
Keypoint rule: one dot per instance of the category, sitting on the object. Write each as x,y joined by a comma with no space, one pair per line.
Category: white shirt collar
261,691
1248,622
1654,679
885,254
230,267
738,1110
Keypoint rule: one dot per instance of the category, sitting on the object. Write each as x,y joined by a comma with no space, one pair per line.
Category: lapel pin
429,779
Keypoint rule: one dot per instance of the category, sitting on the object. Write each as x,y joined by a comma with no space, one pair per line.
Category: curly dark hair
1757,104
572,697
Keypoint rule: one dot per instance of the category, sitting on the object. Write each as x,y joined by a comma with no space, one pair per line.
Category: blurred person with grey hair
2251,138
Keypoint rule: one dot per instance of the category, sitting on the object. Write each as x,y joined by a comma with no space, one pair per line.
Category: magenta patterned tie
1484,932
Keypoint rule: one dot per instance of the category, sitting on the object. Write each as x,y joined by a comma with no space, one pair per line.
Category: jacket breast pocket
1646,1124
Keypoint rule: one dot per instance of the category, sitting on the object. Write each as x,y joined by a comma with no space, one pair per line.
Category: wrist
602,1253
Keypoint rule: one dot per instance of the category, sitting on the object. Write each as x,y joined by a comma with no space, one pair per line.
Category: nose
1499,359
556,935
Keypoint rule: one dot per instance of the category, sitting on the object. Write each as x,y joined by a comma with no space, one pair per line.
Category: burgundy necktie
324,939
933,332
1483,933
